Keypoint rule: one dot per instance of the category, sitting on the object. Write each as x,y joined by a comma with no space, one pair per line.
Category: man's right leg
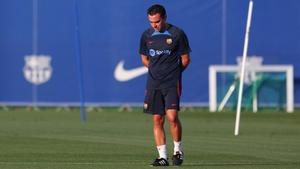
159,135
160,140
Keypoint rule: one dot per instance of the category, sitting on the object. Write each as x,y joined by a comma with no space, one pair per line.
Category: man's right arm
143,50
145,60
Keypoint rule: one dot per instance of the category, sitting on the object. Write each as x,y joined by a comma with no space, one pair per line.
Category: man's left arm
185,61
185,50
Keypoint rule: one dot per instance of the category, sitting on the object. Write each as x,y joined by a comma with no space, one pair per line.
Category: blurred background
39,49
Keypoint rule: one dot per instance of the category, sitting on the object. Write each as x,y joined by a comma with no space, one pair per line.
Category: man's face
157,22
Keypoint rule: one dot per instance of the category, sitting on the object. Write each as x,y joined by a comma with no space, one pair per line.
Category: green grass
51,139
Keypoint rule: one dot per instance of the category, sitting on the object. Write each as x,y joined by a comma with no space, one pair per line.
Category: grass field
51,139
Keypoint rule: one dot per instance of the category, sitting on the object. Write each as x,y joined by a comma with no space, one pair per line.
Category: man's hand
185,61
145,60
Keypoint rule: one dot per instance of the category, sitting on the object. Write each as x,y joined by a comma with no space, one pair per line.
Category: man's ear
165,18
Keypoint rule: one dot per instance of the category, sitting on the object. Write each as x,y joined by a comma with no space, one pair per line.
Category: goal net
264,86
268,88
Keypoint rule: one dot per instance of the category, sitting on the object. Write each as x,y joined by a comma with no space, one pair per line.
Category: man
164,50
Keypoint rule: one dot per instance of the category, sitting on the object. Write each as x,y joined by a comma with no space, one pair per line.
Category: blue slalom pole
79,62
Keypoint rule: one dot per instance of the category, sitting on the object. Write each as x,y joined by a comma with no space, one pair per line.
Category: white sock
162,150
177,147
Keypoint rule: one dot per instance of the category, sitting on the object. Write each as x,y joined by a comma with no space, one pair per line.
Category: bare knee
173,118
158,121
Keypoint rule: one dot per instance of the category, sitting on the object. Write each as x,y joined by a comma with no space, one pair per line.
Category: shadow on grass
241,164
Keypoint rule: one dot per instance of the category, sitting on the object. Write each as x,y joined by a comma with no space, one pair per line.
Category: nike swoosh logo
124,75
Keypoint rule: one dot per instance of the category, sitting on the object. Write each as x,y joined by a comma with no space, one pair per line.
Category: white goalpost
238,110
254,70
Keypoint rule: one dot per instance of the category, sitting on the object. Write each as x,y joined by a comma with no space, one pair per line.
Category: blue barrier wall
110,32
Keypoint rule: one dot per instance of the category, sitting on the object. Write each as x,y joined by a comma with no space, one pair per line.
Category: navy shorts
157,101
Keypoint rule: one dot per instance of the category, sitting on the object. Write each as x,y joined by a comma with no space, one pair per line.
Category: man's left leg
176,131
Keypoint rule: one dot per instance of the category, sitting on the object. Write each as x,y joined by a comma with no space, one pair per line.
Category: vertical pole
79,62
224,41
34,45
254,91
238,111
290,90
212,89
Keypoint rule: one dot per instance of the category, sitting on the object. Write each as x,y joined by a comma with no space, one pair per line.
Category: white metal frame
287,69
